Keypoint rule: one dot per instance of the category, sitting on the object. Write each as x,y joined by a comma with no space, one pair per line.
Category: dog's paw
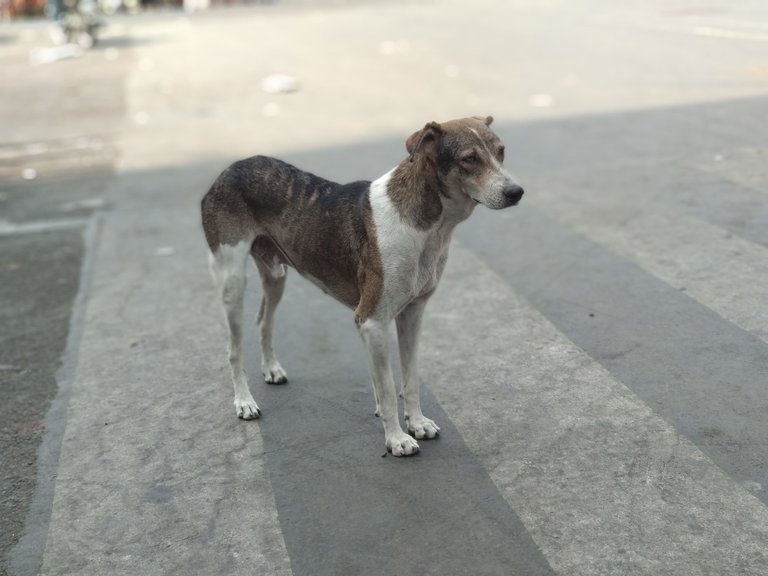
247,409
422,427
400,444
273,373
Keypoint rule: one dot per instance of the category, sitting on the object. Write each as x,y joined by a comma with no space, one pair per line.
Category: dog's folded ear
425,141
488,119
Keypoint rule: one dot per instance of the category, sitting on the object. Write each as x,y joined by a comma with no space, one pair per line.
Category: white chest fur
412,259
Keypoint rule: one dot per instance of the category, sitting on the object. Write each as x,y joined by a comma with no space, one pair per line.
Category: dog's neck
417,193
414,190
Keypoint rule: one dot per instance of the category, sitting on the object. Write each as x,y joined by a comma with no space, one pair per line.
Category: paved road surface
57,123
597,357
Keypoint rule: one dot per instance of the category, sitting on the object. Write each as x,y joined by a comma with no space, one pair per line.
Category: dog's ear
425,141
488,119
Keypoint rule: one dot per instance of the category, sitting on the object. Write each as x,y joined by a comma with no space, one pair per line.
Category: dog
377,247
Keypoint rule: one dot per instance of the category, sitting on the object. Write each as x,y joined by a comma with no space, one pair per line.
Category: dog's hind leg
408,328
273,282
228,269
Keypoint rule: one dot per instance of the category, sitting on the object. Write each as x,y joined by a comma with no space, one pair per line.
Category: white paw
422,427
273,372
247,409
400,444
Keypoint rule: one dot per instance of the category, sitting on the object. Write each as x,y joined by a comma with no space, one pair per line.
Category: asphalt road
56,160
597,358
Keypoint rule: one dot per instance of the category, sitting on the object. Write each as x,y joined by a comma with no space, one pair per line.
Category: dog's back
318,227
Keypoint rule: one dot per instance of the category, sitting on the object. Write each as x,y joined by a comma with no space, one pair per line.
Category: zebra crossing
597,359
596,418
601,481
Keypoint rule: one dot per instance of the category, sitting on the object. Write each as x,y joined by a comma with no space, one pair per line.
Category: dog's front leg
374,334
408,328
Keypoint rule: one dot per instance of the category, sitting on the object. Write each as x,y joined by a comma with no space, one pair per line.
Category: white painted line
155,470
724,272
730,23
722,31
35,227
728,34
602,483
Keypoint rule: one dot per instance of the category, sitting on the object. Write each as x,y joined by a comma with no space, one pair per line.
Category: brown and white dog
378,247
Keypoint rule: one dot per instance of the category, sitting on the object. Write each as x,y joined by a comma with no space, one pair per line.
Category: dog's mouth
505,205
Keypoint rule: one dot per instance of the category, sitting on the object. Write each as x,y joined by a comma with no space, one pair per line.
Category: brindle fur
322,229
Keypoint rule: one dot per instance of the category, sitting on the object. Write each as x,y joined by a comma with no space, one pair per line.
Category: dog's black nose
513,193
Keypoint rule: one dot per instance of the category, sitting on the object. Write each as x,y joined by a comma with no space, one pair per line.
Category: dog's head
468,160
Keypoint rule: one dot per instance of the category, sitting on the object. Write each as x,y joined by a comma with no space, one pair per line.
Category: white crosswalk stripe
145,478
602,483
721,271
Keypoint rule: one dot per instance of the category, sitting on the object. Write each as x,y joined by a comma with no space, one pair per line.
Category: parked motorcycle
80,22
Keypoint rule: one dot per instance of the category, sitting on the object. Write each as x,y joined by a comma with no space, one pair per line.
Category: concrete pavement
596,357
57,128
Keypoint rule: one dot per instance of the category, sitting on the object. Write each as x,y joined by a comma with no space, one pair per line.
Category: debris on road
280,83
49,55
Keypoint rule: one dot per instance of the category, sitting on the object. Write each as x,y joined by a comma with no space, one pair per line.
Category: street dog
378,247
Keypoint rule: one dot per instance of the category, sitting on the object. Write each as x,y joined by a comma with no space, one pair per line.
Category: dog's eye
470,159
500,153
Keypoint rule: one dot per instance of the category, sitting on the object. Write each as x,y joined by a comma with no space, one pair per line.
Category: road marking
35,227
603,484
26,557
154,470
715,29
727,34
731,23
343,508
722,271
